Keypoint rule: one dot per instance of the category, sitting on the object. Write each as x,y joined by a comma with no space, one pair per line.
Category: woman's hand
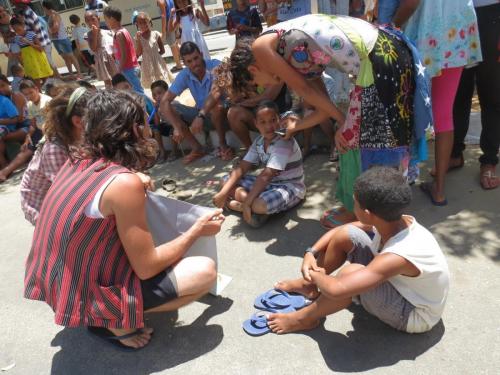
289,123
209,224
341,142
146,180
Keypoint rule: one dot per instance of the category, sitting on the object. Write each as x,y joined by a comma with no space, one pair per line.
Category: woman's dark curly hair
112,131
232,75
58,126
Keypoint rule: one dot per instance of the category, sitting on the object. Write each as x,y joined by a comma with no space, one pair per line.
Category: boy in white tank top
396,269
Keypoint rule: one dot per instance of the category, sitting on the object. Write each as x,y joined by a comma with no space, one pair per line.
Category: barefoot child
400,276
101,44
149,44
280,185
158,125
36,116
123,48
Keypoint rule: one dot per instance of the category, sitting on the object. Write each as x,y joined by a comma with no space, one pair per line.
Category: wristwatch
311,250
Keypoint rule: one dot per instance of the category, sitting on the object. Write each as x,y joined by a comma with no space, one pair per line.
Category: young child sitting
158,125
280,185
400,275
17,76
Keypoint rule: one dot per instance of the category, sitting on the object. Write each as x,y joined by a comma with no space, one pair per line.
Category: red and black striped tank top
77,264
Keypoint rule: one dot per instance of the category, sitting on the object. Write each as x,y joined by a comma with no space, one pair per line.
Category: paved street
206,337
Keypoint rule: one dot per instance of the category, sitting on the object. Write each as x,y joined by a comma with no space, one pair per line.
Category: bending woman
379,123
92,258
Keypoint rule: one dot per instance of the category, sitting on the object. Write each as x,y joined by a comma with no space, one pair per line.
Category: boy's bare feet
299,286
137,341
235,205
291,322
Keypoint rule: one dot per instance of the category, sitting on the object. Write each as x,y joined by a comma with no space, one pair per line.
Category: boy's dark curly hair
112,131
384,191
232,75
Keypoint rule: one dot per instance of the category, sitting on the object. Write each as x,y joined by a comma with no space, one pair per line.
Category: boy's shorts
63,46
278,197
384,301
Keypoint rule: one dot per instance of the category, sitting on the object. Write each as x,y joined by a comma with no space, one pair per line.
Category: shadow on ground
371,344
170,346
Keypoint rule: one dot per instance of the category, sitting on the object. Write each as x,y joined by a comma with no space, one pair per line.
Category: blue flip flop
279,299
257,324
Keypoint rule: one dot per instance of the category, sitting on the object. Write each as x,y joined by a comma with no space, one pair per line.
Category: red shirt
130,57
78,264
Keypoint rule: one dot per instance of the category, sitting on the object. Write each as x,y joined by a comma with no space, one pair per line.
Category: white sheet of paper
168,218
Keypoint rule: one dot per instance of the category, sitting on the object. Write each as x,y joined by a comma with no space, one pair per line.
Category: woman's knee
205,271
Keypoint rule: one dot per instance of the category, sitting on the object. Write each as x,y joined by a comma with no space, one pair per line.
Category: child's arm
161,47
138,45
92,38
375,273
404,12
203,16
164,21
122,46
36,45
262,180
221,197
173,21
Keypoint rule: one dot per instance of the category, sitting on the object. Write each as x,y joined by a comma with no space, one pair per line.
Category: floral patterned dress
445,32
379,120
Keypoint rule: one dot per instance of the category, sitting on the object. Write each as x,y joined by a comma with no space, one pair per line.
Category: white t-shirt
80,36
35,110
427,291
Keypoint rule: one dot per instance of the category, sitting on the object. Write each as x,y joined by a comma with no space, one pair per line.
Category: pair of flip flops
273,301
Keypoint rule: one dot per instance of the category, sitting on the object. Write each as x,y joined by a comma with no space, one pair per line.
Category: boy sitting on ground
400,276
280,185
159,126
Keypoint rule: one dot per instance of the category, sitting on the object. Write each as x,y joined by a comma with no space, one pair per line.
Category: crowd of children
95,138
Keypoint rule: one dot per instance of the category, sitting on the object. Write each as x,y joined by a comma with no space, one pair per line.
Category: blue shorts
63,46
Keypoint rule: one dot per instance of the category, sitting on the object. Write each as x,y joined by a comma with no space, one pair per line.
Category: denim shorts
63,46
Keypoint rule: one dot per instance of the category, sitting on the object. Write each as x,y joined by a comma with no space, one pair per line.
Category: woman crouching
93,259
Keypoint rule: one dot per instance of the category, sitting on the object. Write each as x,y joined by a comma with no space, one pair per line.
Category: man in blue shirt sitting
208,112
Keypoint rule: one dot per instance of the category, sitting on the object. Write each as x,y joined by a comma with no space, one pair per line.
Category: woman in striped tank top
93,259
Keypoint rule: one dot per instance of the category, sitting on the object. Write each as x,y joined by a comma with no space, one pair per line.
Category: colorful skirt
379,122
35,63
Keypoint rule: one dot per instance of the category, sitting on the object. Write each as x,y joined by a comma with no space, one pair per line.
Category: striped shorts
384,301
278,197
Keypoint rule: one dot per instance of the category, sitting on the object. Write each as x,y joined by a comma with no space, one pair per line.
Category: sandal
107,336
169,185
328,221
225,154
192,156
488,179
